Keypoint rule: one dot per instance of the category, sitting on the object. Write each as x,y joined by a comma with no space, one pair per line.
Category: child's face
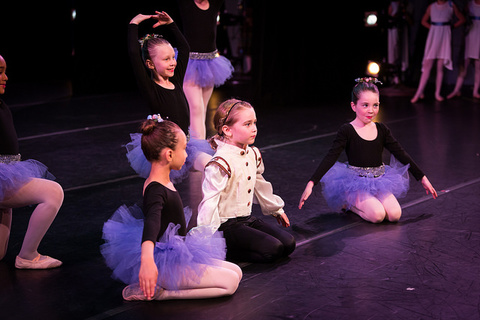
180,153
244,131
164,60
367,106
3,75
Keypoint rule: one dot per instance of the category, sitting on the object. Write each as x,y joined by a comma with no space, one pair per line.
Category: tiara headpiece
368,80
149,37
155,117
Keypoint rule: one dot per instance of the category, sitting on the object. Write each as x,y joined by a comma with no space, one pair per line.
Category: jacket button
248,204
246,163
242,153
249,178
249,190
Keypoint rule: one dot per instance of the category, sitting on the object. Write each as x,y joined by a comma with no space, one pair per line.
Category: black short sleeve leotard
161,206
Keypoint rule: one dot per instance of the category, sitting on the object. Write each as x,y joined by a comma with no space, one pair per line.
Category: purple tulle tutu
142,167
208,72
176,257
15,174
341,185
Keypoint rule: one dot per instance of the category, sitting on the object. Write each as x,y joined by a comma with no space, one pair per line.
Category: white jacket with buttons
232,178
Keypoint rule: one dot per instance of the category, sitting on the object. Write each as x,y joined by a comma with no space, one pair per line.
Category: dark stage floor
427,266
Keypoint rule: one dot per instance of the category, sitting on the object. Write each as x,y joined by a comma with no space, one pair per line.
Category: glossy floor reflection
427,266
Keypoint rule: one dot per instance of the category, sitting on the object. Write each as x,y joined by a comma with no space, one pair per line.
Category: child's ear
226,131
354,108
150,64
169,154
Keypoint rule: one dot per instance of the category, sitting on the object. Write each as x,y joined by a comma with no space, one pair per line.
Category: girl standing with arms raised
364,184
232,178
153,254
206,68
438,19
159,74
23,183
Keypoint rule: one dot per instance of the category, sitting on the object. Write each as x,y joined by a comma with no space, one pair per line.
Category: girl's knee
376,216
55,195
394,215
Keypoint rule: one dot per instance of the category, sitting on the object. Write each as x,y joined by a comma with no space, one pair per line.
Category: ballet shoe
439,98
133,292
40,262
476,96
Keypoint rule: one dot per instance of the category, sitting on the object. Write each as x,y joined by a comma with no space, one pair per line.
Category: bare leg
392,207
5,224
439,80
461,77
369,208
476,83
49,197
198,110
427,68
217,281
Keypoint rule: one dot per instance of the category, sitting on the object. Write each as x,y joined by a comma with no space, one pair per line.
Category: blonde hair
226,115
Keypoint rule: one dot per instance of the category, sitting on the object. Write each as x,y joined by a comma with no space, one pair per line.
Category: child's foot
476,95
132,292
40,262
416,98
439,97
453,94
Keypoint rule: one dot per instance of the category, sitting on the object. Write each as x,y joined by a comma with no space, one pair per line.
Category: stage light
74,14
373,68
371,19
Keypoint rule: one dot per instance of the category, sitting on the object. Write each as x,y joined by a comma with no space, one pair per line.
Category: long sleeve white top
233,181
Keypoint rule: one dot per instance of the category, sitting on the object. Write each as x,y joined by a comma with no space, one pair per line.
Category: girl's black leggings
249,239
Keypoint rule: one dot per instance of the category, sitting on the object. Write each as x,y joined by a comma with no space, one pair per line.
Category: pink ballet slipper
40,262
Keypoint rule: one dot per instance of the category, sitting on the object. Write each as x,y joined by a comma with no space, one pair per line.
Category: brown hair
157,136
226,115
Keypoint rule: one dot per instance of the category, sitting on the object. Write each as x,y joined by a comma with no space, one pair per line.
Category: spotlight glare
74,14
371,19
373,68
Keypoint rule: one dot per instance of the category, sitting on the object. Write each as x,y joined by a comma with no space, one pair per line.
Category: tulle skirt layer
176,257
342,185
15,174
142,167
208,72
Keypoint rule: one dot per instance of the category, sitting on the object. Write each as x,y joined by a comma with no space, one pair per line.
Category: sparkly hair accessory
155,117
368,80
149,37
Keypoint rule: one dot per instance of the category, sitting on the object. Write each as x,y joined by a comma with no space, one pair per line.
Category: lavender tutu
142,167
341,185
15,173
176,257
208,72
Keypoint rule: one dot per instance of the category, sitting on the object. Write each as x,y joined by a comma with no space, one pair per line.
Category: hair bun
147,127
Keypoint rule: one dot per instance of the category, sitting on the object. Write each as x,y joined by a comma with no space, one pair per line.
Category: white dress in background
472,40
439,38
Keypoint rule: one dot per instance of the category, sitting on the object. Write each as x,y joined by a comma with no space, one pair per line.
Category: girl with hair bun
151,251
159,72
365,185
232,179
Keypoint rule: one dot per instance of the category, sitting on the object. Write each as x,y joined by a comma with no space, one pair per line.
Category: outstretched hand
283,220
428,187
162,17
306,193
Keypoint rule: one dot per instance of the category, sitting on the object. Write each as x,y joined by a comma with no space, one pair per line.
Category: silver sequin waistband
204,55
368,172
8,158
